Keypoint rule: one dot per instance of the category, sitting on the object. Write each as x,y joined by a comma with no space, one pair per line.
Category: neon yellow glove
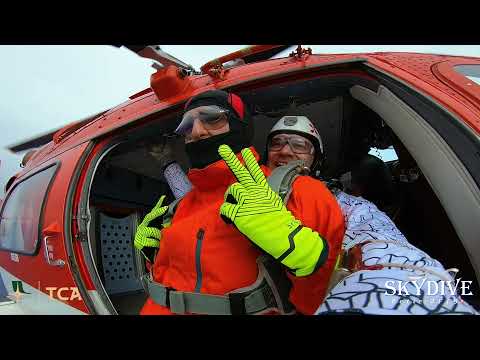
149,236
261,216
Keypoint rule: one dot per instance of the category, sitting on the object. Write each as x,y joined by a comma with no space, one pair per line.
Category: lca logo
18,291
17,286
64,293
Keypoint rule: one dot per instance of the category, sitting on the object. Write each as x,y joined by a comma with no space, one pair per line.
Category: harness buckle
237,303
167,295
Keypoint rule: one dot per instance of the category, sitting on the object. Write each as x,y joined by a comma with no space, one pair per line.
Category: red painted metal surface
418,71
168,82
446,73
34,270
79,256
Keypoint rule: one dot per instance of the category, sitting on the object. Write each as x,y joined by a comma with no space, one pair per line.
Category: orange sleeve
315,206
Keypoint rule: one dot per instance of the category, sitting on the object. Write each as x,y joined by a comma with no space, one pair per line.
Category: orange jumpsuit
199,252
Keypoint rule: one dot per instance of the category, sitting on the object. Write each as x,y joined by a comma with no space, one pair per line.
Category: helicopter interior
127,183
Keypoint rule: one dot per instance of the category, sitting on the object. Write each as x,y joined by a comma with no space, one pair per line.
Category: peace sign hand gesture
259,214
252,192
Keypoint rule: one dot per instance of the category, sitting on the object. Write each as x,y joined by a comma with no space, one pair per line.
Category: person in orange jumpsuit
208,259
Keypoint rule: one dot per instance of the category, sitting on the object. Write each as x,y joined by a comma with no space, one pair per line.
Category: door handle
48,253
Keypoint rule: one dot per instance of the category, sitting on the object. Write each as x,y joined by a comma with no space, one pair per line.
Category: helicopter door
34,264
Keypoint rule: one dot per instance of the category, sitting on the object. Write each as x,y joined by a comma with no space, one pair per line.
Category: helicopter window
471,72
20,219
386,155
475,79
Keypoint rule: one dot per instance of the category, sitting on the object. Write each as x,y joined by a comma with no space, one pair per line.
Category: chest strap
259,298
282,177
168,216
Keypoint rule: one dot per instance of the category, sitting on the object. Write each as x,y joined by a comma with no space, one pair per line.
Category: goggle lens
298,144
212,117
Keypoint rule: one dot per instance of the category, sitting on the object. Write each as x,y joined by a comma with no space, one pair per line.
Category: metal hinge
82,219
300,52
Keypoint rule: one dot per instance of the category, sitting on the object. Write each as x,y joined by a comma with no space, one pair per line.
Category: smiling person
232,246
303,139
380,271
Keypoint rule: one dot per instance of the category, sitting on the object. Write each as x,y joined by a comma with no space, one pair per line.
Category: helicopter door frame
457,147
100,299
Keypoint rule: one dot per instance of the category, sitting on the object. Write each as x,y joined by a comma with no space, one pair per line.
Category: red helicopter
68,218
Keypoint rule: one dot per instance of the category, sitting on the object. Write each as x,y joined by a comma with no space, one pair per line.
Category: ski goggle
213,117
297,143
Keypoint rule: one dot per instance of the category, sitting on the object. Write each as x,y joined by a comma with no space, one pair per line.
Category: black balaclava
205,152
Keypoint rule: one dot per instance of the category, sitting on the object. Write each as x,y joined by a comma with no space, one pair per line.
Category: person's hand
162,153
259,214
147,236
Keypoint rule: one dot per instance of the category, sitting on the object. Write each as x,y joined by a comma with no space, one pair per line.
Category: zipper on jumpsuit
198,265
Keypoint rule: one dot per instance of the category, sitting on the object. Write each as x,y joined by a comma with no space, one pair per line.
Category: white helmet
300,125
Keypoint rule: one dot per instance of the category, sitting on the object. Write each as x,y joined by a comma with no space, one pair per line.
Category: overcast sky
46,87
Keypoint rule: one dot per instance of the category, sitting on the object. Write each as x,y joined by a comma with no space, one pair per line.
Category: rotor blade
155,52
34,142
249,53
134,48
266,54
45,138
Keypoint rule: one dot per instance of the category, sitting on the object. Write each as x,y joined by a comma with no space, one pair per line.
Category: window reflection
20,217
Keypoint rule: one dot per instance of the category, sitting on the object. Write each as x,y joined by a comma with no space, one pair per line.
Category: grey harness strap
260,297
181,302
282,177
167,217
